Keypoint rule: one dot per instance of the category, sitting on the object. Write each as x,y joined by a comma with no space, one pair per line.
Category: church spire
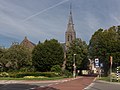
70,34
70,22
70,17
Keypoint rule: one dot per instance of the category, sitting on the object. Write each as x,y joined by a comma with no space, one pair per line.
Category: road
23,86
101,85
16,86
67,84
78,83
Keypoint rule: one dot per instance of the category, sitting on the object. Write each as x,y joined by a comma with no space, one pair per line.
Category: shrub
23,74
56,68
27,69
67,73
35,77
4,74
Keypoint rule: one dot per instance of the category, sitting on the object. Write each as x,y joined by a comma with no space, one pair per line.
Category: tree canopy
15,58
47,54
79,48
106,43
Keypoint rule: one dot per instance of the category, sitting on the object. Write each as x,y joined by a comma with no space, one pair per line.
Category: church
70,35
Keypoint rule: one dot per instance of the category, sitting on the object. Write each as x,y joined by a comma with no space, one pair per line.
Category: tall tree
47,54
3,61
17,57
103,44
79,48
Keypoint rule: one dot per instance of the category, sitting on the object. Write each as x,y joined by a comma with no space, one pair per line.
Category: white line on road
88,87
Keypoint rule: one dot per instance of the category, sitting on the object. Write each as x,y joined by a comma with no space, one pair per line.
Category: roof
27,43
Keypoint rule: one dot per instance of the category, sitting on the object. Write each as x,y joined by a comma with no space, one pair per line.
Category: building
70,36
27,43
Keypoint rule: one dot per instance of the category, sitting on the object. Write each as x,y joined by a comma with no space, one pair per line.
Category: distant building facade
28,44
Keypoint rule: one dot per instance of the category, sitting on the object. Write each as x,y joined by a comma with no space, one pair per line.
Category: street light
74,67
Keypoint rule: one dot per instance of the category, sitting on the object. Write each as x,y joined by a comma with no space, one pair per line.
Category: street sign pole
97,65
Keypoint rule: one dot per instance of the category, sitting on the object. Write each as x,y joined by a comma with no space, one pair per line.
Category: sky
47,19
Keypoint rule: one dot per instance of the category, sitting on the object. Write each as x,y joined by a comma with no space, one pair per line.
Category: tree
79,48
17,57
47,54
103,44
3,61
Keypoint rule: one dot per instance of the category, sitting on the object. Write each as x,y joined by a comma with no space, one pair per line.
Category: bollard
117,74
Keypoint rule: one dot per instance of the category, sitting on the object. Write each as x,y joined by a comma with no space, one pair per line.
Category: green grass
108,79
52,78
104,78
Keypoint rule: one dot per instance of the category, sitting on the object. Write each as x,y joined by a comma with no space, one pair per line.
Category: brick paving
77,84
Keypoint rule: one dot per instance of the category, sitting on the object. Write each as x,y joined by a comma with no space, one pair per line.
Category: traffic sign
96,62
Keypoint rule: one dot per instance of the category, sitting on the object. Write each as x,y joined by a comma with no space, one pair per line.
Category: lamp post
74,67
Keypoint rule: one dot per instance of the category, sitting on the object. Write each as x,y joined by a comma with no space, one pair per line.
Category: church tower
70,34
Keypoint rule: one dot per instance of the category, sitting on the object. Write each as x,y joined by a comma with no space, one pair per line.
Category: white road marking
88,87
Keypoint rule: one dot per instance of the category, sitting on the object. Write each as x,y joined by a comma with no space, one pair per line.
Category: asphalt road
15,86
76,84
21,86
101,85
66,84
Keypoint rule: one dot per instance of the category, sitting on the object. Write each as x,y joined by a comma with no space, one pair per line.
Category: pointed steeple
70,17
70,34
70,22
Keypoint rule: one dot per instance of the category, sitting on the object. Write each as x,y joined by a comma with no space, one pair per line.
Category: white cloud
40,12
44,19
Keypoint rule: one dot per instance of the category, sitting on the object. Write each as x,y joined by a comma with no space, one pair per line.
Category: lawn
48,78
108,79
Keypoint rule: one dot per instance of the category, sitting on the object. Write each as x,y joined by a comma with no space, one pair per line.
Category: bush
67,73
4,74
57,69
35,77
23,74
27,69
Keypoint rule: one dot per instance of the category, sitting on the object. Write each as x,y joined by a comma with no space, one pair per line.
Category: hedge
23,74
